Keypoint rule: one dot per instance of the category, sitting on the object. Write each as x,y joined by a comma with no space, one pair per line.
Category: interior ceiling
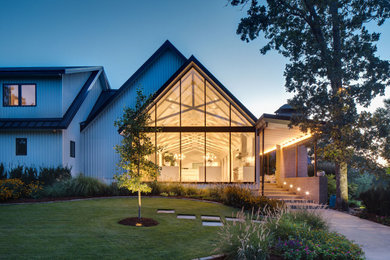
217,143
280,133
194,101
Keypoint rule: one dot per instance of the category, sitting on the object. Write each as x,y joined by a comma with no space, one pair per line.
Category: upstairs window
21,146
19,95
72,149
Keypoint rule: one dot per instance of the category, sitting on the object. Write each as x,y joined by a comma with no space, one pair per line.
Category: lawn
89,229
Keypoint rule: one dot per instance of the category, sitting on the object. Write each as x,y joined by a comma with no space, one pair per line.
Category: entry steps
292,200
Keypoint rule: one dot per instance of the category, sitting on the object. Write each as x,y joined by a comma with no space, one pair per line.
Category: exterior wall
100,137
288,160
48,99
43,148
72,133
71,86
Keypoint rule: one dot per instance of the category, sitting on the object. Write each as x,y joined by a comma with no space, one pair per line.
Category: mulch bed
146,222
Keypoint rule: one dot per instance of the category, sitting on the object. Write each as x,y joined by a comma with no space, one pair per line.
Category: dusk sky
121,35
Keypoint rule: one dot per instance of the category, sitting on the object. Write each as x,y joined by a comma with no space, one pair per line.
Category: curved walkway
373,237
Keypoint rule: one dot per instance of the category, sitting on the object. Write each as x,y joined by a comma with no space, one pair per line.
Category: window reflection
11,95
19,95
243,157
168,158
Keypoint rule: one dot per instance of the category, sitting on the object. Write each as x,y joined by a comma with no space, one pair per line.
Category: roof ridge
165,46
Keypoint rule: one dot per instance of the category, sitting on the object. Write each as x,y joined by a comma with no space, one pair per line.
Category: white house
65,116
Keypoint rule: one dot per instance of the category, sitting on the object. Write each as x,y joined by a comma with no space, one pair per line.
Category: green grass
88,229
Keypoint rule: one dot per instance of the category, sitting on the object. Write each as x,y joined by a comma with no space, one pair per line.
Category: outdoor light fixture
291,185
298,189
307,193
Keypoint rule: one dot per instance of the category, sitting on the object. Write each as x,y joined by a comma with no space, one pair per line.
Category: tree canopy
333,66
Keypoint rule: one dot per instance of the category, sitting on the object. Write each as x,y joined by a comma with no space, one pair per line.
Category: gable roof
55,123
185,67
108,98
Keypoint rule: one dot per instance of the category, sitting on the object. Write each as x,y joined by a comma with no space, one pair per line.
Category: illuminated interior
196,143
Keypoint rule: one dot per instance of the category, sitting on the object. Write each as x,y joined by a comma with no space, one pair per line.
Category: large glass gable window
205,136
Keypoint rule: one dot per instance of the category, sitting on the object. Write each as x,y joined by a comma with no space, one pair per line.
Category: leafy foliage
332,67
302,234
3,172
16,189
377,201
135,147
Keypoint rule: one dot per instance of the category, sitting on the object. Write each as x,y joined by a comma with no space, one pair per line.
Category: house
65,116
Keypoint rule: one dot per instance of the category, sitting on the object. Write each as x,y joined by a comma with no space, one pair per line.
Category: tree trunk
341,186
139,204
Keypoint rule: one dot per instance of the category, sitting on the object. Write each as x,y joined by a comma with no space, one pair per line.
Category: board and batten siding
71,86
48,98
44,148
100,136
72,133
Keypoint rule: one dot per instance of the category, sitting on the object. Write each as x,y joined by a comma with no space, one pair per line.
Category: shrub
300,234
16,173
3,172
243,239
318,244
79,186
50,175
239,197
377,201
16,189
310,217
30,175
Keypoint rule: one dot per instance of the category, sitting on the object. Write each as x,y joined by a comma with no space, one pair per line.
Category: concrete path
373,237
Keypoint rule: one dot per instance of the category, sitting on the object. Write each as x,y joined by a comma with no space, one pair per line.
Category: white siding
100,137
43,148
72,133
71,86
48,99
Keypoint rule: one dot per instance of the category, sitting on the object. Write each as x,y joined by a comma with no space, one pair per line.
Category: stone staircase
292,200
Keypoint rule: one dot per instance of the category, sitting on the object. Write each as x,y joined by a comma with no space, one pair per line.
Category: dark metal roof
285,110
52,123
166,46
45,71
108,99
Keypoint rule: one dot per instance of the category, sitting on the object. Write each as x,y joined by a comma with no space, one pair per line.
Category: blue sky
120,35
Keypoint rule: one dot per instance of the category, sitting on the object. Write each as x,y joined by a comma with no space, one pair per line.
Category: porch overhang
278,132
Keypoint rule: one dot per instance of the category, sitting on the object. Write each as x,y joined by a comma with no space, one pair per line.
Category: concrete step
284,197
295,200
303,205
276,191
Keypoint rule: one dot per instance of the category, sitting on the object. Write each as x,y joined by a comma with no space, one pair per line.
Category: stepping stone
186,216
166,211
204,217
234,219
212,224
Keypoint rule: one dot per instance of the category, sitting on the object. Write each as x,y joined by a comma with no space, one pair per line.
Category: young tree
332,66
135,148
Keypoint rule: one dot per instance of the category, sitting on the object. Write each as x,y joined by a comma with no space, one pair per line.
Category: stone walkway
373,237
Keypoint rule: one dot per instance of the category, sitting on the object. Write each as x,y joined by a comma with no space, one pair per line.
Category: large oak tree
332,66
